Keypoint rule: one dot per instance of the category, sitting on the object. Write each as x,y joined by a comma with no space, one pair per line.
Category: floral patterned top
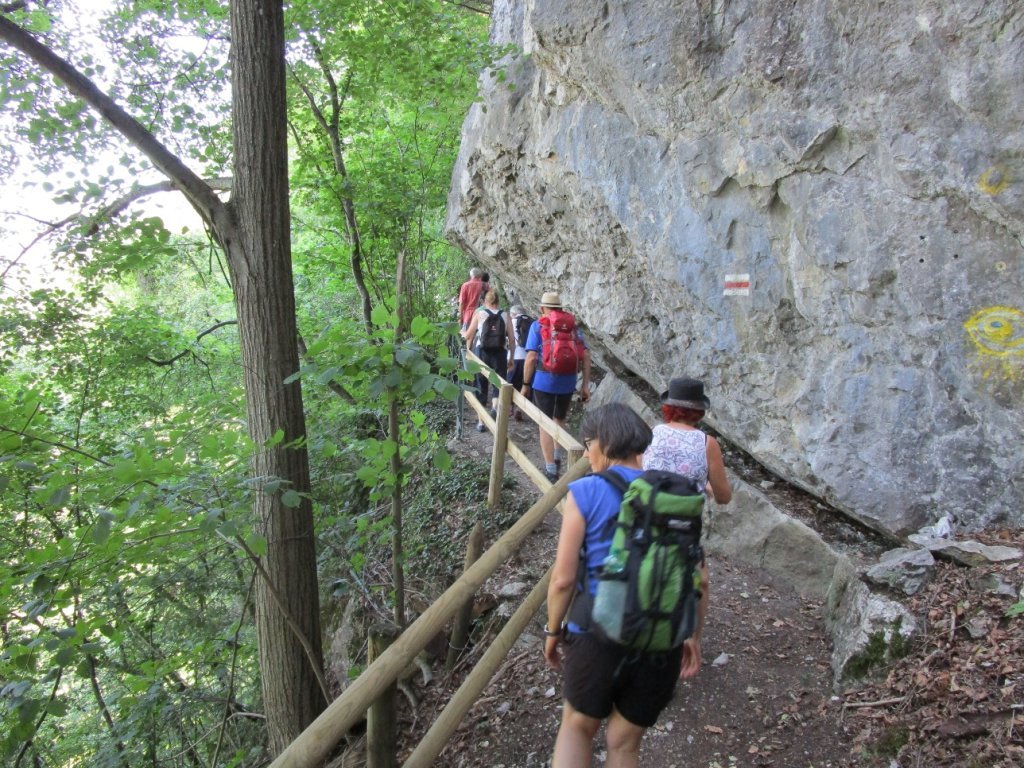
679,450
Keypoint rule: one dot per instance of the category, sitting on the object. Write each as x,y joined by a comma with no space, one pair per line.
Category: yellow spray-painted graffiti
998,334
994,180
997,331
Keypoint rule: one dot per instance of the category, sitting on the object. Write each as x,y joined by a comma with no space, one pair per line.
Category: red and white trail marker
737,285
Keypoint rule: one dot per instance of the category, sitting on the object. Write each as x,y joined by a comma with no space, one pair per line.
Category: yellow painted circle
997,330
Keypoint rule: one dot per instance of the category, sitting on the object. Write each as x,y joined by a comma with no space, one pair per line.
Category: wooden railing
507,397
315,744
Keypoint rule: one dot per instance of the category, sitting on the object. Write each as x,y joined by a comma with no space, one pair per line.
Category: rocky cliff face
816,206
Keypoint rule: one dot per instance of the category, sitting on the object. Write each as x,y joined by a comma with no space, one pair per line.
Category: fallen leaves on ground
958,698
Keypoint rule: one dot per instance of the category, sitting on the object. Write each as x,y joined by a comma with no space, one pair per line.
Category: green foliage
1015,610
114,576
389,85
175,70
417,370
443,508
892,740
112,573
123,453
440,511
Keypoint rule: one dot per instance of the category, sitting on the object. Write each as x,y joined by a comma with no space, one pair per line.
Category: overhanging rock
816,208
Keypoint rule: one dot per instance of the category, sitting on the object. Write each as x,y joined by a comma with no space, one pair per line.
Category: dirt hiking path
763,696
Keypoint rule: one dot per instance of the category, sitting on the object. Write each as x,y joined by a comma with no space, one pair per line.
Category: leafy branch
197,191
172,360
235,539
329,124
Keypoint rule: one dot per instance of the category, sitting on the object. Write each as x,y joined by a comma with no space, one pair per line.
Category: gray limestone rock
996,585
967,552
613,390
513,589
818,208
867,629
753,530
905,570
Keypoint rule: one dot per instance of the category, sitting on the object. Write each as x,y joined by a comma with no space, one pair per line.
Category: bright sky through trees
30,197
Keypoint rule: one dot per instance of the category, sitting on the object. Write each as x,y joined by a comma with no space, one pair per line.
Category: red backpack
561,348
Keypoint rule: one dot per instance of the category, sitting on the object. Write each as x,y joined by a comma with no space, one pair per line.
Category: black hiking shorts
552,405
599,675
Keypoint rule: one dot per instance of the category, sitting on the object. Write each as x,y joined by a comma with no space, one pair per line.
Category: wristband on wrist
549,633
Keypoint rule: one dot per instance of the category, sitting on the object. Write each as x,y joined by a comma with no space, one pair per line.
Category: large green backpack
649,586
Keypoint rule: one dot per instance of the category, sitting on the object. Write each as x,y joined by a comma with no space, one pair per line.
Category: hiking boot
480,426
558,466
494,413
552,478
517,415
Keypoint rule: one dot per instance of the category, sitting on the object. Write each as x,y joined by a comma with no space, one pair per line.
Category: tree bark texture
260,263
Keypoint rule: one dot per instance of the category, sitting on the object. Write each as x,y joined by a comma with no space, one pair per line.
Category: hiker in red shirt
469,296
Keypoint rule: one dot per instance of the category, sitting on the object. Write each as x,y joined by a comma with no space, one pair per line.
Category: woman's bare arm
721,491
563,577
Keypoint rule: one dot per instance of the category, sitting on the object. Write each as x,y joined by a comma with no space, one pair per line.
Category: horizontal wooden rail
526,464
563,438
314,744
434,740
508,447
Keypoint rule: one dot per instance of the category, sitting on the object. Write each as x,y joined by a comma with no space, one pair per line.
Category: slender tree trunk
97,692
254,232
395,433
259,259
330,124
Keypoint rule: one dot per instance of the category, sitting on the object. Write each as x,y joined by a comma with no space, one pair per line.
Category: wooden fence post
381,718
500,444
460,630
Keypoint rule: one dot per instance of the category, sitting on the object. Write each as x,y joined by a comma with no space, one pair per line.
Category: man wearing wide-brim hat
552,392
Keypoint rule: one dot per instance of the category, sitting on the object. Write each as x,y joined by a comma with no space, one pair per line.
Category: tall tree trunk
260,263
254,232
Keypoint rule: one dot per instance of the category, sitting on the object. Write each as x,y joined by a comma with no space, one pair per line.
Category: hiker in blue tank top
602,680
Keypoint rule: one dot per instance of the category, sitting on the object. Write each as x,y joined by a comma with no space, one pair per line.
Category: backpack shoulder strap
615,479
582,600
